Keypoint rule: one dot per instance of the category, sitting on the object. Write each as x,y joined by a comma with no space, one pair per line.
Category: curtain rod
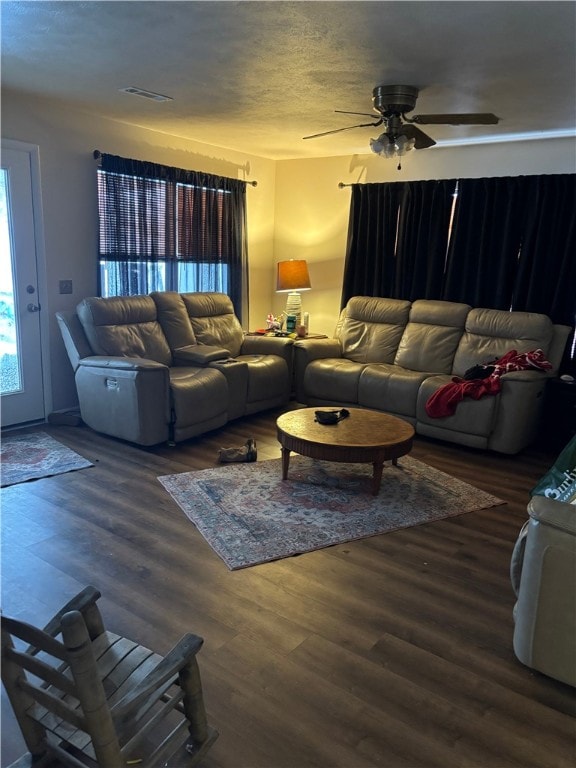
98,155
341,185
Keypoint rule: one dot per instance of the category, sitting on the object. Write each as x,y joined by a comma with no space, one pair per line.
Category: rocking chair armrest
82,602
174,661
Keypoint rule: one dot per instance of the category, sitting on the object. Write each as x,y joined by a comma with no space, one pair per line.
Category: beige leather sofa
542,571
170,366
393,355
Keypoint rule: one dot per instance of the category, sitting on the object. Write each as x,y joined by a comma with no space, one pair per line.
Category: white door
21,376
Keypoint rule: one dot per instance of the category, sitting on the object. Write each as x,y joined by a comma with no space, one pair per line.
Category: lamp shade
293,276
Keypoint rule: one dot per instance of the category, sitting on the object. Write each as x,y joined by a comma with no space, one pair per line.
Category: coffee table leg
377,477
286,462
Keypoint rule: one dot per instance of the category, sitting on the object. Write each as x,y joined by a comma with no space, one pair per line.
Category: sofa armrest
520,405
527,376
306,350
545,613
75,341
314,349
558,514
120,363
126,397
268,345
281,346
199,354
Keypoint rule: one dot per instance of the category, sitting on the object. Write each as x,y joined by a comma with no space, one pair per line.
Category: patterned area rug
35,455
248,515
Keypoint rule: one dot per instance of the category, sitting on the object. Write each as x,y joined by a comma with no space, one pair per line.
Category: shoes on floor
248,452
251,452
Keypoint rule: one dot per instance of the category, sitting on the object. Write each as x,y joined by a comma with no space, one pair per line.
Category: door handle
33,307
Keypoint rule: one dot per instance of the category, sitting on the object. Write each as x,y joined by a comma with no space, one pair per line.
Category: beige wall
296,211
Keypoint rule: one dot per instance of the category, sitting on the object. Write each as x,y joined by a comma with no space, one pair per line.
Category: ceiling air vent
145,94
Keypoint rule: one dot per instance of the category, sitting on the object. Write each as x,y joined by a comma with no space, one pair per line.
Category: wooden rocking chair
98,699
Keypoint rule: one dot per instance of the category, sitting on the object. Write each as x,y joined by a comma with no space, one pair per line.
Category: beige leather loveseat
170,366
393,355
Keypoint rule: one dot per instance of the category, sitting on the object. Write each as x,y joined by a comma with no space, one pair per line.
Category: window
137,277
163,228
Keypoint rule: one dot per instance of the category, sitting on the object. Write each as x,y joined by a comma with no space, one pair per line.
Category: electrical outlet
65,286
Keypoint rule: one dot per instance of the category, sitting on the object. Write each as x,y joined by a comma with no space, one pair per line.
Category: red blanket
444,401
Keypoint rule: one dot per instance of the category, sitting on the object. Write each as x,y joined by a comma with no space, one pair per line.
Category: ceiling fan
401,133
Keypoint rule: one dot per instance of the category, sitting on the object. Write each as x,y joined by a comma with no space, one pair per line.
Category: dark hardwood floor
392,651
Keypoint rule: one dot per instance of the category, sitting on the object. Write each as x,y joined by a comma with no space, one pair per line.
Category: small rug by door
34,455
248,515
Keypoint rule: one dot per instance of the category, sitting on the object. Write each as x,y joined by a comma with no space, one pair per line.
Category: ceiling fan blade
338,130
421,140
479,118
366,114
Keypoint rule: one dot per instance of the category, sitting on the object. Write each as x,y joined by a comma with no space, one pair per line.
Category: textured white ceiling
258,76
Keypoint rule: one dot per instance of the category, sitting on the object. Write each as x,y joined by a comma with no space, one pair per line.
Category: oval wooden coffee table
364,437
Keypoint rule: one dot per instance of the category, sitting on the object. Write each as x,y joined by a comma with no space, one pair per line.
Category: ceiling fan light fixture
389,150
403,144
379,145
391,146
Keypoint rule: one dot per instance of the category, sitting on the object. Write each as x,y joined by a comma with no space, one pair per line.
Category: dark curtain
151,212
369,267
423,229
485,241
397,239
546,276
511,245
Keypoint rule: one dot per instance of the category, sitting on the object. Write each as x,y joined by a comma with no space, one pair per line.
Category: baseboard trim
70,417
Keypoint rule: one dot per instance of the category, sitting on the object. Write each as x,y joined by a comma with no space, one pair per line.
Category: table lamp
293,277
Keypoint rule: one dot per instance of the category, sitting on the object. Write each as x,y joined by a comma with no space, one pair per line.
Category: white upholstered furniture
393,355
170,366
543,573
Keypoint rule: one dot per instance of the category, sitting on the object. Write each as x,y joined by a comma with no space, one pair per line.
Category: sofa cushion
173,318
124,326
333,379
430,339
268,379
198,394
372,328
390,388
491,333
236,374
213,320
